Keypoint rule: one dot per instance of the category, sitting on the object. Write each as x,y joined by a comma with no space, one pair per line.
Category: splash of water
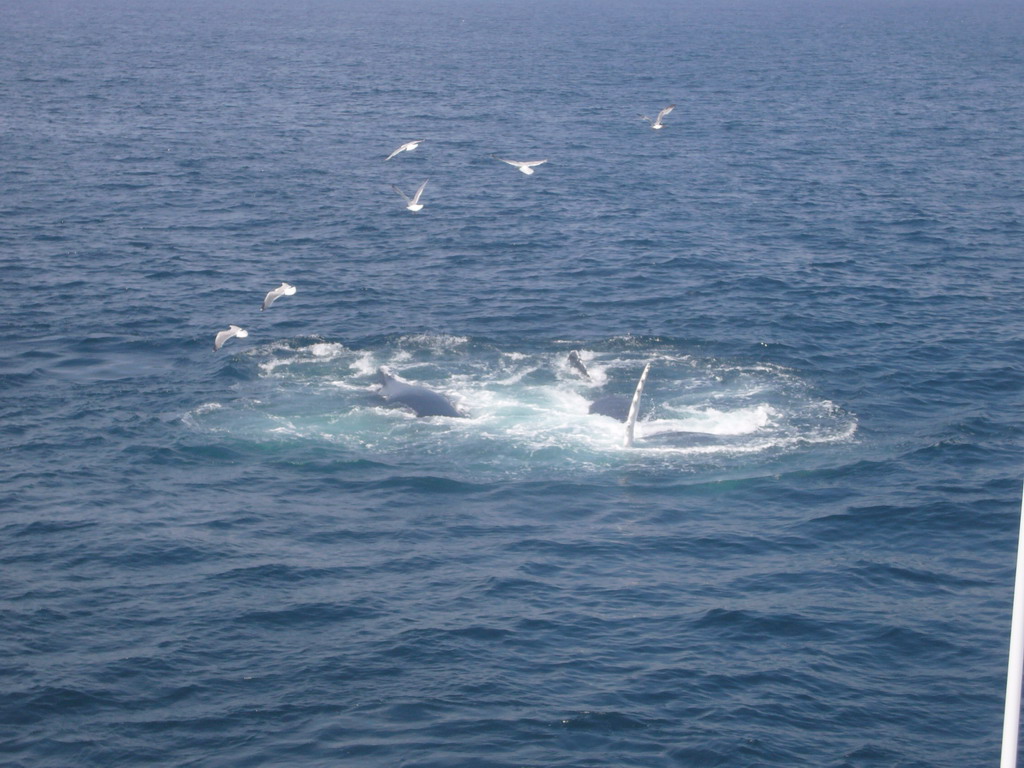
528,411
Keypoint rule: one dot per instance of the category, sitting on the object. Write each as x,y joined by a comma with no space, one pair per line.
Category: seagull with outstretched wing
230,333
526,167
282,290
409,146
412,203
656,123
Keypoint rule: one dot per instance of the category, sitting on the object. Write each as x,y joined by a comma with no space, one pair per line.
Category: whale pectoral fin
634,407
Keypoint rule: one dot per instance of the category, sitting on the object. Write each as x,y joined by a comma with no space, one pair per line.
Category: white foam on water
286,354
365,364
513,377
327,350
347,385
526,412
714,421
439,342
286,429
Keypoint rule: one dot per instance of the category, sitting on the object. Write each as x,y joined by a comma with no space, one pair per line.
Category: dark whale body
420,400
615,406
577,364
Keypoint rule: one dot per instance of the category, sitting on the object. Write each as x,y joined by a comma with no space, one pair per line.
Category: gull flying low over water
526,168
230,333
409,146
282,290
413,203
656,123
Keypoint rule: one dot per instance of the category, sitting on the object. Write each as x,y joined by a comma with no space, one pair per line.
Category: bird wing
220,338
665,111
416,197
404,196
271,297
534,163
510,162
409,146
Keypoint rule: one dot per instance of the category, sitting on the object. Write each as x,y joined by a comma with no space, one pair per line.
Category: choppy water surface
247,557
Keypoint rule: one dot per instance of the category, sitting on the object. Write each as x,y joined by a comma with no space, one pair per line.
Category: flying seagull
526,168
413,204
409,146
656,123
230,333
282,290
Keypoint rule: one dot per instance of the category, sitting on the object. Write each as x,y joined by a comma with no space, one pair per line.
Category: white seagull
526,168
414,203
282,290
230,333
409,146
656,123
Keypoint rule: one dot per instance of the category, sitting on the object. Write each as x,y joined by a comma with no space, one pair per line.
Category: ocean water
248,558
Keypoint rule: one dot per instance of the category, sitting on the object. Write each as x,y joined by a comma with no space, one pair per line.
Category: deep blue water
246,558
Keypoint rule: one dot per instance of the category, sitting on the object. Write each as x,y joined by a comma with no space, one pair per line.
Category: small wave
435,342
288,354
604,722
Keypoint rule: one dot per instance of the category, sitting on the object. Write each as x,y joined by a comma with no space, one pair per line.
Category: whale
627,410
614,406
420,400
577,364
624,409
634,407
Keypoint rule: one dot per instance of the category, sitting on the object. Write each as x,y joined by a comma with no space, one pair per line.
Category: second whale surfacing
420,400
615,406
577,364
622,409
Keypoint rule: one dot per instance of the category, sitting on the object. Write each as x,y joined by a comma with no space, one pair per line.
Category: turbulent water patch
528,410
